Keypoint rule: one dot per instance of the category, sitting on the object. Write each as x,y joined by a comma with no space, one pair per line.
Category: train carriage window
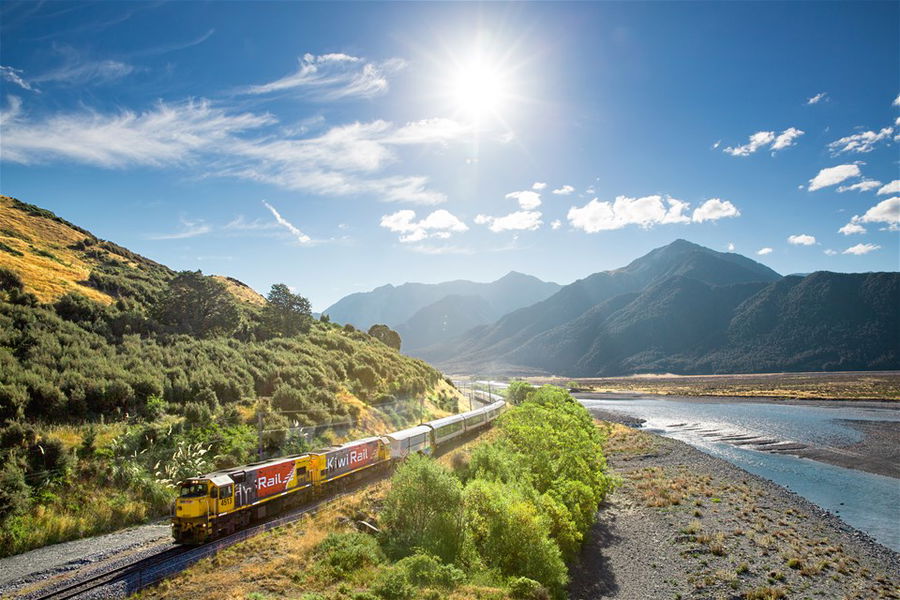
225,492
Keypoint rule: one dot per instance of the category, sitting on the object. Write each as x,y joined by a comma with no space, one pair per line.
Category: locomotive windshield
193,490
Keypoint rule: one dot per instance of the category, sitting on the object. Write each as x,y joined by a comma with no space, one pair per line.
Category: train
222,502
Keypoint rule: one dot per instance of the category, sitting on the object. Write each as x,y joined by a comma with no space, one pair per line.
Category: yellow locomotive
222,502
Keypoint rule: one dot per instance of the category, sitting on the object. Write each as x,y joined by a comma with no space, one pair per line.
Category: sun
478,89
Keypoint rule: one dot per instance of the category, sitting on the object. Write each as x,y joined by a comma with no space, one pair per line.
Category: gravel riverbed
684,524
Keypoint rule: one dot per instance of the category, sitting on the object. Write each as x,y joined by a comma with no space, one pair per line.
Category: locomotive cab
194,499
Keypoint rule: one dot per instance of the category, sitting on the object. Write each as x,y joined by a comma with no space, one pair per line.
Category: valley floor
686,525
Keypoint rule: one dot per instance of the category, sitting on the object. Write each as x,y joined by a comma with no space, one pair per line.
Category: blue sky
339,147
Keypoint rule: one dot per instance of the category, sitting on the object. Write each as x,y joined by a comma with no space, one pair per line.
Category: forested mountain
121,376
395,305
688,309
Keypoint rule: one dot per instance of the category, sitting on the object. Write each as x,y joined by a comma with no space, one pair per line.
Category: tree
199,306
286,314
518,391
386,335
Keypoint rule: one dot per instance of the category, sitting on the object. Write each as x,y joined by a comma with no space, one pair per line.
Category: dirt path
686,525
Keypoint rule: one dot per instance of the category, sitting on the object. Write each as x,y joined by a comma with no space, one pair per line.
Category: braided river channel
758,437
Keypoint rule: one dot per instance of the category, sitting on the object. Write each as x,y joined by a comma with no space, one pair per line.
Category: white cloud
301,237
715,209
645,212
830,252
166,134
761,139
538,186
564,190
863,186
521,220
439,224
527,200
757,141
802,239
896,101
556,224
890,188
852,228
786,138
189,229
861,249
817,98
83,72
764,251
833,176
886,211
860,142
12,75
717,144
731,246
334,76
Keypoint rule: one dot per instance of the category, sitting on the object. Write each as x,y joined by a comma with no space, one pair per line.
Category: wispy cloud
333,76
861,249
821,96
860,143
13,76
764,251
863,186
833,176
189,229
344,160
301,237
762,139
439,224
538,186
164,135
564,190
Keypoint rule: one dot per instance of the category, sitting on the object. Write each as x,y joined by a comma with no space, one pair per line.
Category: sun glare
478,89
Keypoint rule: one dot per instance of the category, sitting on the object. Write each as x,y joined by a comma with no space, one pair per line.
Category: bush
522,588
425,570
393,584
343,553
15,495
47,461
423,509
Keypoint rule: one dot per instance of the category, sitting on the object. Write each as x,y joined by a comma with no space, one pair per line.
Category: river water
868,502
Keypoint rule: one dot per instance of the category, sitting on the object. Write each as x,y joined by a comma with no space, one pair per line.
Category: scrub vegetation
498,518
119,376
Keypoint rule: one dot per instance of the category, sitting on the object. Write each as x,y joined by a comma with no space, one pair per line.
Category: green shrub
15,495
344,553
425,570
423,509
393,584
522,588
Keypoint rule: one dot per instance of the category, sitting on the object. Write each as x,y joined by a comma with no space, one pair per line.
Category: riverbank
878,450
875,386
684,524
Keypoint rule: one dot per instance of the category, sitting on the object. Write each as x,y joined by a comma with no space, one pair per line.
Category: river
868,502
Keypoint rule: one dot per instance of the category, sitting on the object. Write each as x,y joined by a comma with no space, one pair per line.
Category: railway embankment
683,524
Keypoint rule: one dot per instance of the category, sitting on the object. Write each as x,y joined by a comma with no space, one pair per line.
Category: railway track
122,581
127,579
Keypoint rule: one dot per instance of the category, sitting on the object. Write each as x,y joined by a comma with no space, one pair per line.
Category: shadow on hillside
592,576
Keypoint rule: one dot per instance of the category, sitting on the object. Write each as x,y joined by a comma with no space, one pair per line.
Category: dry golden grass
44,277
621,439
241,290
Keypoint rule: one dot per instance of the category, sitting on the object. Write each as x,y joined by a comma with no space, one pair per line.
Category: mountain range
427,314
684,308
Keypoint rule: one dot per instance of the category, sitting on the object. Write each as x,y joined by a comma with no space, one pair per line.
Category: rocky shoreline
684,524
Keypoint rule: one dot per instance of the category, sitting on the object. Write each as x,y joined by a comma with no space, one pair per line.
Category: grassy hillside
118,377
